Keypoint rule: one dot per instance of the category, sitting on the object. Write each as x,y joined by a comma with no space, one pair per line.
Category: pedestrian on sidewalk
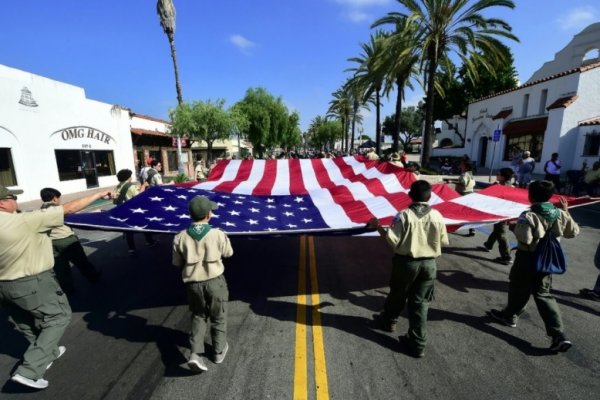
504,178
526,167
199,251
29,291
552,170
416,236
529,229
67,248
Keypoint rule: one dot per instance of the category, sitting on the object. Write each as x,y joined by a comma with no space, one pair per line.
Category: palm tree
166,12
341,107
399,59
454,26
371,76
356,90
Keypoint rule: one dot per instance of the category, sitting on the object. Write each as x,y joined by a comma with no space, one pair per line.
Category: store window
71,164
532,142
172,160
592,144
7,170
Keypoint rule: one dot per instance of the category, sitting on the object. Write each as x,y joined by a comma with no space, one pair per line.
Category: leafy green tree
207,121
340,107
458,27
326,134
239,126
411,124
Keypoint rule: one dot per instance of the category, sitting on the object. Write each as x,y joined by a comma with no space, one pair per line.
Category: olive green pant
41,311
412,280
525,282
208,301
499,234
67,251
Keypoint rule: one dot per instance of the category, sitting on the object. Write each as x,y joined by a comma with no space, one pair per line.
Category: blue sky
296,49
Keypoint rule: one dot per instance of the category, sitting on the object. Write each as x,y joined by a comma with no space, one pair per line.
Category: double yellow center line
301,357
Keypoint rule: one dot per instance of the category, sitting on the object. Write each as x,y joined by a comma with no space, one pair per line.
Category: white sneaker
219,357
37,384
196,363
61,351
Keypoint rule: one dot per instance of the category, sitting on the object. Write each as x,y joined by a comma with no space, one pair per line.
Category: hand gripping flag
314,196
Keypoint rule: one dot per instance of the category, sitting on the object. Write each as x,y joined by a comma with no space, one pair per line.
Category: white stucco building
52,135
551,112
556,110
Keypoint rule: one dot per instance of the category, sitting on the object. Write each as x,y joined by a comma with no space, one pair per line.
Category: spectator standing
199,251
504,178
552,170
67,248
591,180
416,235
526,168
524,280
143,176
29,291
124,191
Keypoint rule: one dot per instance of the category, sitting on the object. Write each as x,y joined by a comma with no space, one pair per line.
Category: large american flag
308,196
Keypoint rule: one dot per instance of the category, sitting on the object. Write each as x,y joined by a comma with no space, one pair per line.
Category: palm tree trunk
428,133
171,37
378,121
396,136
353,131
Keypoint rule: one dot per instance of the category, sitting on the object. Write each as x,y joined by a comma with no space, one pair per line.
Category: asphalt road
300,327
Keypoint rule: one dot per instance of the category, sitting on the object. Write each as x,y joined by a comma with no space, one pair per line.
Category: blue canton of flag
164,209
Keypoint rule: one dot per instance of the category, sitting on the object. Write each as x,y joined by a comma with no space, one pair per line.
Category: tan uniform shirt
25,247
62,231
417,237
530,228
465,183
132,191
201,260
156,180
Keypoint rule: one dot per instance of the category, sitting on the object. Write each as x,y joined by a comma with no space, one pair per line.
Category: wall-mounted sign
26,98
83,132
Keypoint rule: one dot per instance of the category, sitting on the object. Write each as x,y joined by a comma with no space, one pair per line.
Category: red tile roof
548,78
562,102
503,114
139,131
526,126
591,121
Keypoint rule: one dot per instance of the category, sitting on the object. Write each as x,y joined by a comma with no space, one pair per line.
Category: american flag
313,196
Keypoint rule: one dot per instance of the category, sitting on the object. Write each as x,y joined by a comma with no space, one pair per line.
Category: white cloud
578,18
357,16
242,43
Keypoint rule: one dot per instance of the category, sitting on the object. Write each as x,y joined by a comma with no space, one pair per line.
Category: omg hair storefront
51,135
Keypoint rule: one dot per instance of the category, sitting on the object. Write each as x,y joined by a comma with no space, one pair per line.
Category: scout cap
6,193
200,206
395,157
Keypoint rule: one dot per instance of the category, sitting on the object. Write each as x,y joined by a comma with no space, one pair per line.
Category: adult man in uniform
29,291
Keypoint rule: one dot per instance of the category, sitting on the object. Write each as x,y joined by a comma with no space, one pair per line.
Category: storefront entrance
89,169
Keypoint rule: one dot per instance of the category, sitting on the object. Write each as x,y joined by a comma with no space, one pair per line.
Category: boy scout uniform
198,251
416,235
28,288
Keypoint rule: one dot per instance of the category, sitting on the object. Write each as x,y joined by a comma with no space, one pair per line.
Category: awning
562,102
503,114
522,127
141,132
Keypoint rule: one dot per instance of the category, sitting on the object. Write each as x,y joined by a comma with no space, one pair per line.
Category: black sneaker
590,294
383,323
503,319
504,260
560,343
413,352
485,248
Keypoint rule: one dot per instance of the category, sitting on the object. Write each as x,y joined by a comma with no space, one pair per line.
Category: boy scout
29,291
198,251
416,235
524,281
504,178
67,248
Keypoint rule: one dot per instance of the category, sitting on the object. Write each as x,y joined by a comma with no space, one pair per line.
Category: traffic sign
497,134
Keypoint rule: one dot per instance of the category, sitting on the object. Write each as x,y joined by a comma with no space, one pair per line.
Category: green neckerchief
198,231
547,211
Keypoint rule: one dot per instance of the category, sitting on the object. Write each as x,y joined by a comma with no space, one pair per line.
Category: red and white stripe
348,192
